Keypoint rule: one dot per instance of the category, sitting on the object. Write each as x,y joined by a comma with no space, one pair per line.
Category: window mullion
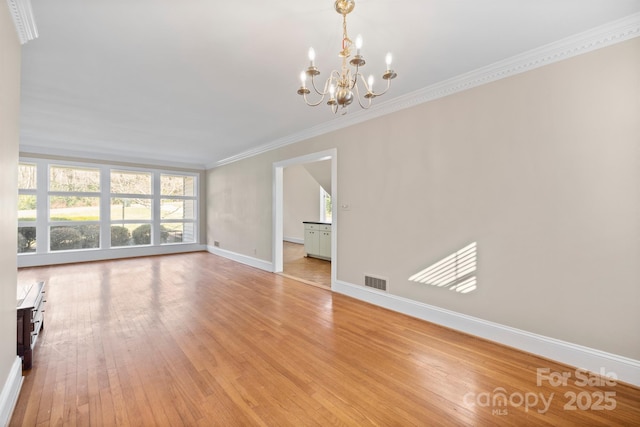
42,207
105,207
155,235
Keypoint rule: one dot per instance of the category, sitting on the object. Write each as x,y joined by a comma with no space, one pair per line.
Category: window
74,208
178,205
27,203
70,206
325,206
131,208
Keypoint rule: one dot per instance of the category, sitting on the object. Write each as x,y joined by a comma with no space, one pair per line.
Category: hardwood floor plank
309,270
195,339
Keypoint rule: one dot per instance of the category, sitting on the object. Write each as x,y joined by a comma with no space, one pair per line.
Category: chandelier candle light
341,85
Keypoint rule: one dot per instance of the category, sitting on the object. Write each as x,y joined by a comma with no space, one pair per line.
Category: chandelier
343,86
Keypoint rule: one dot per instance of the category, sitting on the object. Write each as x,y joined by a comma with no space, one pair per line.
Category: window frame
31,192
183,221
51,224
151,196
324,195
105,250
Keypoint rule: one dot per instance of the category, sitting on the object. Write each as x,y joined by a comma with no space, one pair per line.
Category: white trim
587,41
277,214
242,259
307,158
28,150
10,391
278,207
294,240
625,369
23,19
84,255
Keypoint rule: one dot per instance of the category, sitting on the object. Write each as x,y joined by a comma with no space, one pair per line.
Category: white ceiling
197,82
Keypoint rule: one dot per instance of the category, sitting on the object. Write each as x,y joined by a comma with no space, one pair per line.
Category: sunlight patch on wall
455,272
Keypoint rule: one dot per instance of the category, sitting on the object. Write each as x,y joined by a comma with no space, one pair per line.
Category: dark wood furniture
30,319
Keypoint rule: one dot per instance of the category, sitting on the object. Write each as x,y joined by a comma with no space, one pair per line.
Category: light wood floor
195,339
310,270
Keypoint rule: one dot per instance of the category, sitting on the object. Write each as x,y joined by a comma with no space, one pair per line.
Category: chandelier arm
313,84
384,91
334,77
312,104
354,81
357,90
362,79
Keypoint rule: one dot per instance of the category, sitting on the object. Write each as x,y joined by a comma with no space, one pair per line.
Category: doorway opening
299,266
291,253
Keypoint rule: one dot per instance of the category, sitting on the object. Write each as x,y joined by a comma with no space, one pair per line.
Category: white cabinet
311,239
325,243
317,240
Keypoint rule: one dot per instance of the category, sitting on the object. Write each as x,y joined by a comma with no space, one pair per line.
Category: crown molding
599,37
89,156
22,15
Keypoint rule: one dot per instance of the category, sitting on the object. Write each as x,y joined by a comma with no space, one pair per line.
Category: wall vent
216,243
375,282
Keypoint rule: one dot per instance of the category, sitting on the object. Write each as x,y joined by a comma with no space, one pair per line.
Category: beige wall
301,201
541,169
321,173
9,134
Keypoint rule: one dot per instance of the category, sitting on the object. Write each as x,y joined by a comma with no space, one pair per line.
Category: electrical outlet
216,243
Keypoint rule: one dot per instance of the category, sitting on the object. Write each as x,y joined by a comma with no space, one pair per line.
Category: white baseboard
624,369
65,257
294,240
10,391
242,259
600,362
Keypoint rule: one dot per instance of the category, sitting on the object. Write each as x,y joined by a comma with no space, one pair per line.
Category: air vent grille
375,282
